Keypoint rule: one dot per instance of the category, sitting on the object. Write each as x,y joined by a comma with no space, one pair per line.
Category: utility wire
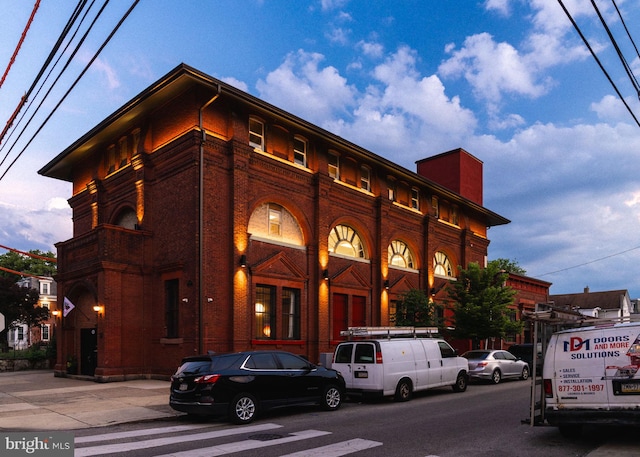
86,68
588,263
55,64
625,64
575,25
625,27
29,254
69,60
48,60
22,37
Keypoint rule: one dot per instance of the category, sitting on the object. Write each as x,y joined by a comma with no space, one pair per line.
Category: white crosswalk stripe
122,447
116,442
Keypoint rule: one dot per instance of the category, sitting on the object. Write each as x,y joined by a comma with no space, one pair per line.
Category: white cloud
302,87
501,6
371,49
492,69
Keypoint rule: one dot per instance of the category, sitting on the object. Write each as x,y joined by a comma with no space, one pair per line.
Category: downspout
201,298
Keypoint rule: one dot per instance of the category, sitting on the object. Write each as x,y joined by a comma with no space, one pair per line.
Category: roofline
54,170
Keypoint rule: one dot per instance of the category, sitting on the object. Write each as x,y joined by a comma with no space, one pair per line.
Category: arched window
127,218
400,255
345,241
442,265
275,222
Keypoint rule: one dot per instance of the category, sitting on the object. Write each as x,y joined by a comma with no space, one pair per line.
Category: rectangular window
334,166
172,300
365,178
111,159
264,312
300,151
435,206
20,332
45,332
275,220
392,190
454,216
123,152
44,288
415,198
256,134
291,314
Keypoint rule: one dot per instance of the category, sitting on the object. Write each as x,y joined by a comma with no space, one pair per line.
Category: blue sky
510,81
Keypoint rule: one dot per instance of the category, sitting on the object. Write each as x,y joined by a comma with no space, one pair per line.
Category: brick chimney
457,170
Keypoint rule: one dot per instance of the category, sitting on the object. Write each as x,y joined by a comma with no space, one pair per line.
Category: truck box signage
597,358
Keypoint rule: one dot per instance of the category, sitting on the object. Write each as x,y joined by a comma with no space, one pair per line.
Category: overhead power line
30,254
588,263
22,273
22,37
586,42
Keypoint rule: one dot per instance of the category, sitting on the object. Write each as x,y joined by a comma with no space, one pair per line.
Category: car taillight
208,379
482,364
378,357
548,389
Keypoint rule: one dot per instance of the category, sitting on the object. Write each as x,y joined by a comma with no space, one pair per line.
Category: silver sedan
495,365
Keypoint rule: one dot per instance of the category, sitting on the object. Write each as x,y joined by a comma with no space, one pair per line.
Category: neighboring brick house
609,304
529,292
207,219
20,336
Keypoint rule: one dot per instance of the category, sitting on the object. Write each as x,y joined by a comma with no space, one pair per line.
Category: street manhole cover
266,437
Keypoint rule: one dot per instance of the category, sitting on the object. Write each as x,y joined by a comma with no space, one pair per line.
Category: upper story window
334,166
345,241
455,219
442,265
256,133
435,206
300,151
275,222
415,198
44,288
365,178
400,255
393,191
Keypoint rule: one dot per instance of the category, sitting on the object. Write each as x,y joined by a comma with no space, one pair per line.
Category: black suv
525,352
242,384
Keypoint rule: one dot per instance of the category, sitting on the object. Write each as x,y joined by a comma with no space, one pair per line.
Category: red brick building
207,219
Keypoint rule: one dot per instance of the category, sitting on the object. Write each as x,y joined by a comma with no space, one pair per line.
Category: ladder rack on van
388,331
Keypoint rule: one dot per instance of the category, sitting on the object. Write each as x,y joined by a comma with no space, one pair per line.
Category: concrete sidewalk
36,400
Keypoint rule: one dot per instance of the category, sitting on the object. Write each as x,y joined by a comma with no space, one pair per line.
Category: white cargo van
397,366
591,376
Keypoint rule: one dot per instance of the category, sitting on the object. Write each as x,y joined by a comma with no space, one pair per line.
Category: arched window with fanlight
442,265
345,241
400,255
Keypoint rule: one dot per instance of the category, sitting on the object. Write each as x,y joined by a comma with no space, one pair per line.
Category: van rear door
356,361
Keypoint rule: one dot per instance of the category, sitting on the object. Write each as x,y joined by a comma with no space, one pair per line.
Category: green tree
18,305
510,266
37,265
481,304
414,309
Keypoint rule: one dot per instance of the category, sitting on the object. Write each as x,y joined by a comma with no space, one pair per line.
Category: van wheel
331,398
403,390
461,383
243,409
496,376
525,373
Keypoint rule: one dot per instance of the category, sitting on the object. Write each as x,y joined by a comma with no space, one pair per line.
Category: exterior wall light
325,274
243,261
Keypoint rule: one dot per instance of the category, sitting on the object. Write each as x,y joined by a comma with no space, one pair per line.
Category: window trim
333,168
365,178
261,135
297,152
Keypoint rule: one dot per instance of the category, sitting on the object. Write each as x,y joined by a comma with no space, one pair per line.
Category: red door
358,311
340,321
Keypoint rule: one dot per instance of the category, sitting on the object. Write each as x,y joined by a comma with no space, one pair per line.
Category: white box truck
377,367
591,376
